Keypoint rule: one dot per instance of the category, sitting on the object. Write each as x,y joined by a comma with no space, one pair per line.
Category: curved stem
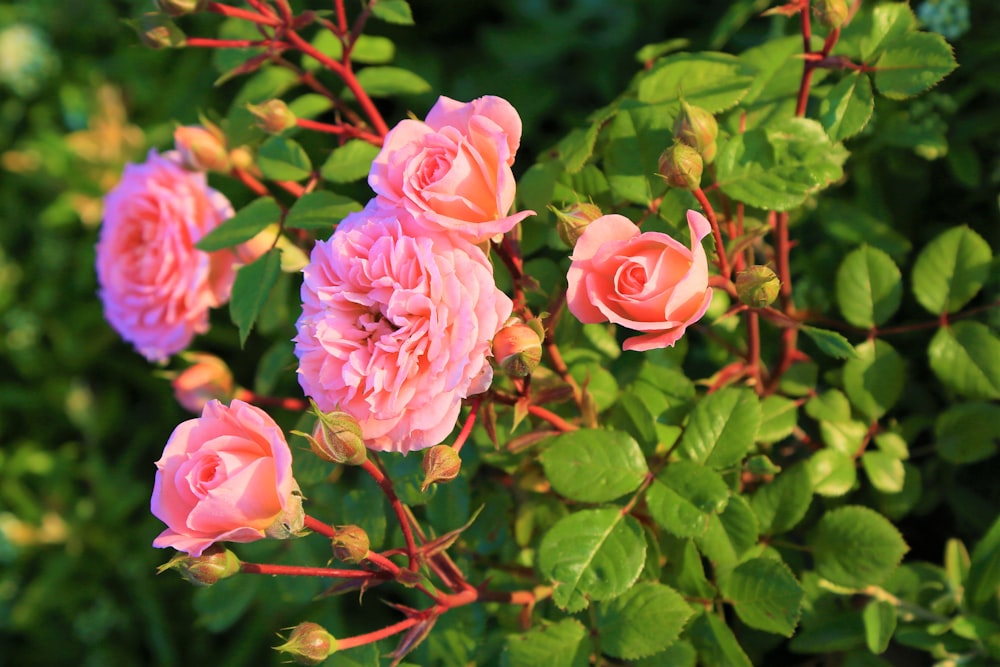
720,248
385,484
303,571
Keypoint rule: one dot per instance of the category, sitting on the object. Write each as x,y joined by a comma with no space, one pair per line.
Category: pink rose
156,287
395,328
644,281
223,477
452,171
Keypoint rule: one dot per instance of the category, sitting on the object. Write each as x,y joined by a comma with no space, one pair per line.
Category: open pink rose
223,477
643,281
395,328
156,287
452,171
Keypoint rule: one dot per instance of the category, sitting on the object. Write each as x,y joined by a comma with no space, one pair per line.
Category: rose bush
647,281
157,288
224,477
395,328
453,170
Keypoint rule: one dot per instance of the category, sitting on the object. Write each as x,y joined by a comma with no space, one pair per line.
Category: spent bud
441,464
681,166
757,286
309,644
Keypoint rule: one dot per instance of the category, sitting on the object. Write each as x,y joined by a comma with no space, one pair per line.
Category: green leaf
712,81
848,107
855,546
984,572
968,432
831,405
679,654
951,270
320,210
879,618
779,165
631,415
393,11
715,642
777,66
782,503
247,223
729,534
684,495
577,147
635,138
832,473
869,287
368,50
722,428
829,342
559,644
846,437
282,159
966,358
594,466
593,554
350,162
384,81
765,595
779,416
885,472
889,21
913,63
623,624
874,379
250,290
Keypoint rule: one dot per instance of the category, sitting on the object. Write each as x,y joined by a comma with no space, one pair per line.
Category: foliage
788,480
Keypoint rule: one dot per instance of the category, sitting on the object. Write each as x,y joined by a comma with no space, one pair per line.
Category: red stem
552,418
320,527
303,571
470,421
209,43
720,248
385,484
330,128
248,180
236,12
378,635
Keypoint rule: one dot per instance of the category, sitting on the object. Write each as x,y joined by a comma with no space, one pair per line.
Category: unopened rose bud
292,519
180,7
441,464
157,31
698,129
250,251
201,149
757,286
571,222
350,544
337,438
518,349
241,158
214,563
830,13
273,116
206,377
681,166
309,644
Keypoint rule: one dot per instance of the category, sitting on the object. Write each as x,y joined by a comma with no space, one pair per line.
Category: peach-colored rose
643,281
395,327
453,170
224,477
156,287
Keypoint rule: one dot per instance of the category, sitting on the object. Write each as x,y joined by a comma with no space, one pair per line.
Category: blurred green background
82,416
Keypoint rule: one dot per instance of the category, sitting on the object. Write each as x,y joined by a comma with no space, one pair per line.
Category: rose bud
441,464
337,438
350,544
681,166
518,349
250,251
241,157
697,128
273,116
309,644
215,563
571,222
757,286
206,378
158,32
831,13
180,7
202,149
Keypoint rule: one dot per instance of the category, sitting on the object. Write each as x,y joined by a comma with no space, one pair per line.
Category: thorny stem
385,484
720,247
303,571
236,12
